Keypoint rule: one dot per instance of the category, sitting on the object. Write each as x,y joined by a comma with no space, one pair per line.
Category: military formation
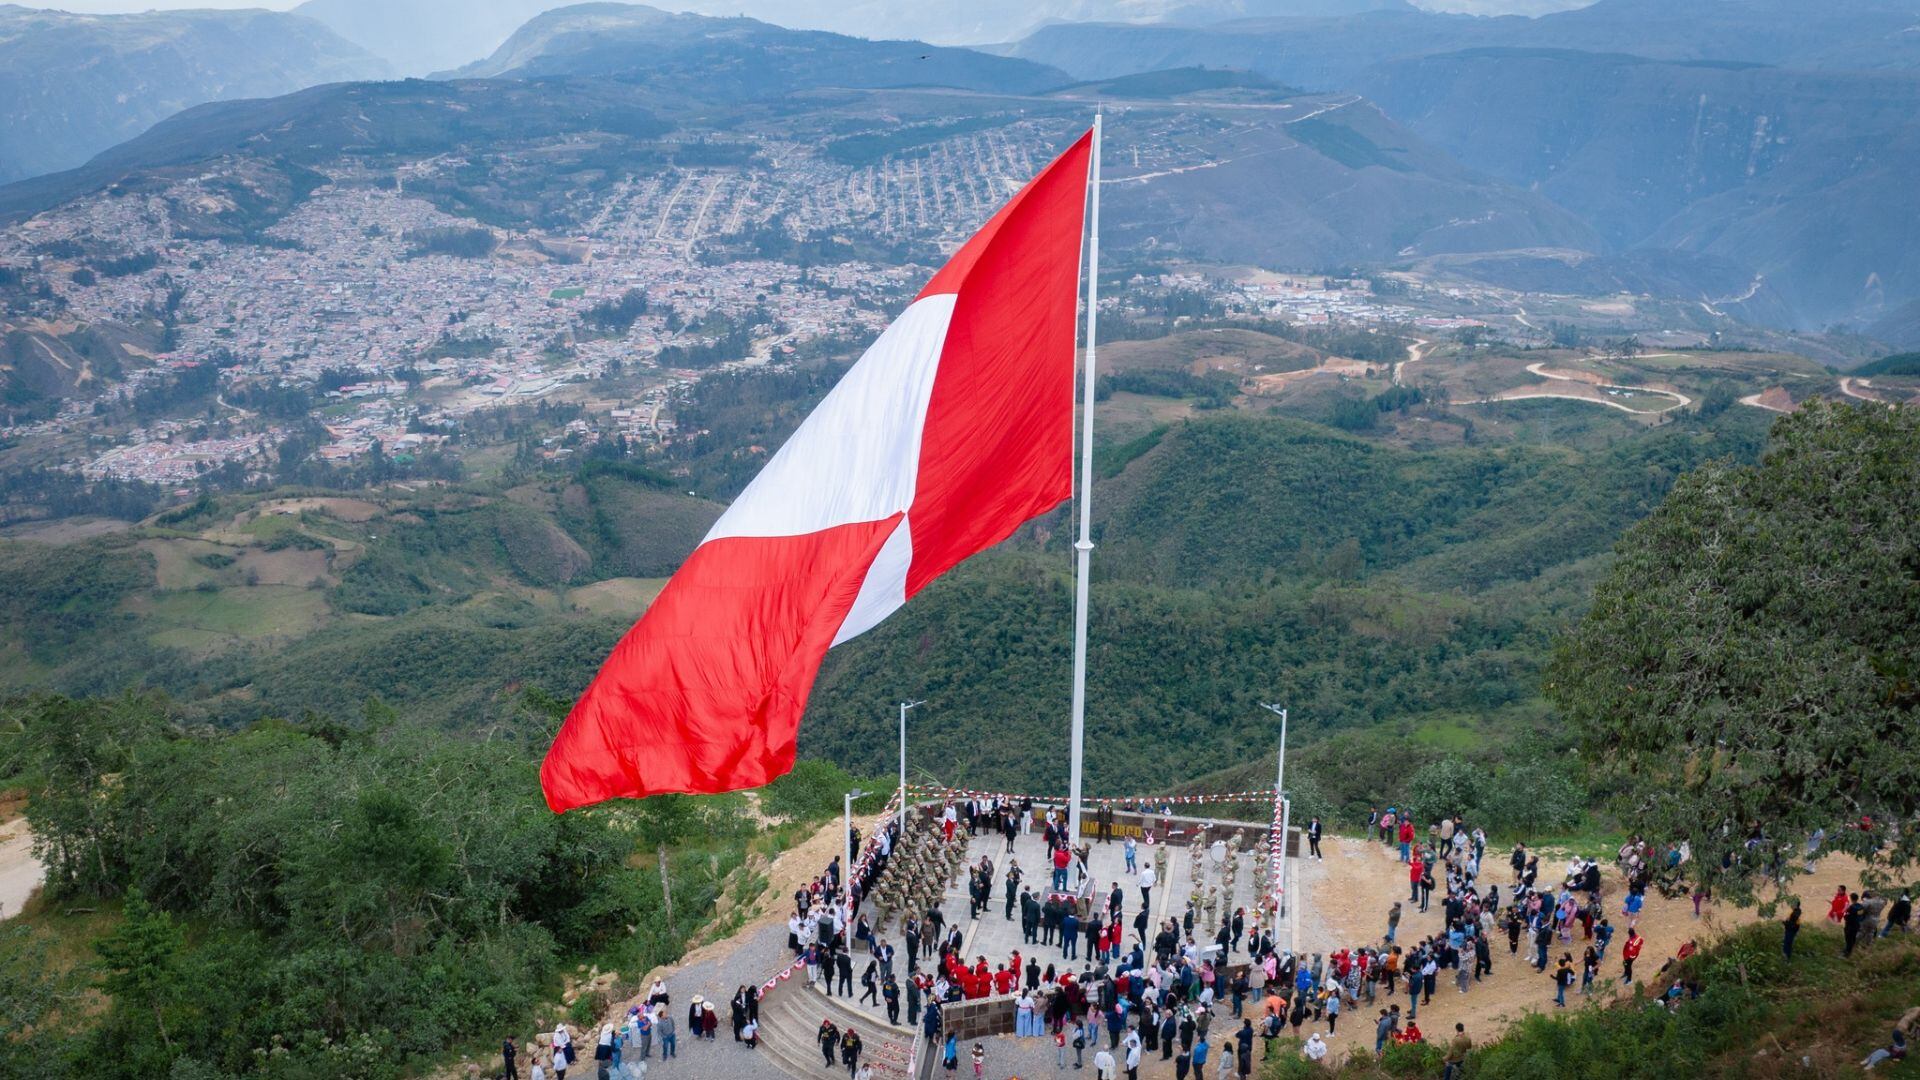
1213,871
924,865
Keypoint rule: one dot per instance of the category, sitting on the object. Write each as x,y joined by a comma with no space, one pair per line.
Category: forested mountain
73,85
1244,560
1239,557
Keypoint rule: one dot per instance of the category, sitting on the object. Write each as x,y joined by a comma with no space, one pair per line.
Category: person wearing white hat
1316,1048
562,1049
603,1052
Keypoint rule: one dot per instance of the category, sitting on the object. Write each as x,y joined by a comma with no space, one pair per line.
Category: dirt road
20,873
1415,353
1592,390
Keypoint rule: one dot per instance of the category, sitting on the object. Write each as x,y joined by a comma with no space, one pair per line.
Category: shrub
814,789
1444,788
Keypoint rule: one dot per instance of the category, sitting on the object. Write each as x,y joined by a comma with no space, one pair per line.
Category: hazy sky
1479,7
98,7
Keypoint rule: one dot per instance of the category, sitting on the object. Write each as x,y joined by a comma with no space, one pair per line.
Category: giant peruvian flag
954,428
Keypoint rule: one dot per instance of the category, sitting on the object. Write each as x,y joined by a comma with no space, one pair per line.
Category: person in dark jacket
850,1047
1899,913
930,1023
829,1037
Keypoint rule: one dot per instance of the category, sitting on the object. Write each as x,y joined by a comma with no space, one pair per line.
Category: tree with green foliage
139,962
1749,672
83,747
664,820
1722,395
1443,788
360,898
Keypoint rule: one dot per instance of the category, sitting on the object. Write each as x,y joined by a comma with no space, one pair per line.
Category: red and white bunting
1276,853
1137,800
782,975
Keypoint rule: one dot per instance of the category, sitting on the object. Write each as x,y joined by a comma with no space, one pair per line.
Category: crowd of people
1142,993
1198,990
1110,986
1114,964
623,1047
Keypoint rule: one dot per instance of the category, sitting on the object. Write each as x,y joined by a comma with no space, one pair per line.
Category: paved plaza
996,934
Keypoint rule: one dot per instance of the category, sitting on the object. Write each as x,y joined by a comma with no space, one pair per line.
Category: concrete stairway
790,1020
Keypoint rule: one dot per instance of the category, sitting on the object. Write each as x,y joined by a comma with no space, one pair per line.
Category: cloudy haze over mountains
394,31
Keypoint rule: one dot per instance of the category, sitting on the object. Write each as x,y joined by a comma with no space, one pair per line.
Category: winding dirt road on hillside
1595,394
1416,352
1853,387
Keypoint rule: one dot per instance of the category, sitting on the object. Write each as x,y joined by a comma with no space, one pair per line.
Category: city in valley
368,319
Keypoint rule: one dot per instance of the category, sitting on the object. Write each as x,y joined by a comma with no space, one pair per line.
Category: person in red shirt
1406,837
1629,953
1415,873
1061,859
1003,981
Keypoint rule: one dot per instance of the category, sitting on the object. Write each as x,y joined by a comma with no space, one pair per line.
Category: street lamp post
1280,782
1286,812
904,706
846,845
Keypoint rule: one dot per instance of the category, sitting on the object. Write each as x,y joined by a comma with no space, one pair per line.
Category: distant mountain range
1753,156
73,85
422,36
1337,53
716,59
1764,140
1806,178
417,37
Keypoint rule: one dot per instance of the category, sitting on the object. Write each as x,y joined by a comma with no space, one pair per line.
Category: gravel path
716,978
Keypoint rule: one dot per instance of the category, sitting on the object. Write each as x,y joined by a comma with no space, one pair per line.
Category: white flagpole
1083,547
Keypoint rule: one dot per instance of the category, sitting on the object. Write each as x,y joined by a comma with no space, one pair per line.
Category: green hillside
1240,559
1246,560
1897,364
